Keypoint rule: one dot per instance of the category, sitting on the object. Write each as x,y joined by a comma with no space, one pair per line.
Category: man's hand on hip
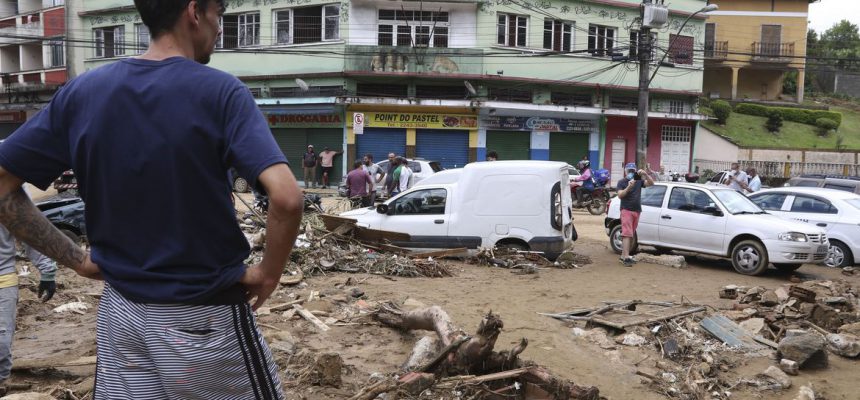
260,284
89,269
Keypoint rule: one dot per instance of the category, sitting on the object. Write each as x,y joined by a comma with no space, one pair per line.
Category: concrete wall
759,84
714,147
847,84
808,156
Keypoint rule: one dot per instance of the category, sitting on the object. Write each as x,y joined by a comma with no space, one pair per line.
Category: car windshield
737,203
854,203
436,167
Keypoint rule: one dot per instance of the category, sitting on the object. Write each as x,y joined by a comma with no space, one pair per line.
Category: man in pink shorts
630,193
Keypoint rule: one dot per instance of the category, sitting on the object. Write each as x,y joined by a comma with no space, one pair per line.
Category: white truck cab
518,204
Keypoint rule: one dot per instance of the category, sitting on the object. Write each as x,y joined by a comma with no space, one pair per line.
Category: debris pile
346,248
526,262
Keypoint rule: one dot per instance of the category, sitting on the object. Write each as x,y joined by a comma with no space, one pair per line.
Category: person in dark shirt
309,167
357,181
174,319
630,193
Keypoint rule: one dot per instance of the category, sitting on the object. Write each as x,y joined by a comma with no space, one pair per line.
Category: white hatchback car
722,222
836,211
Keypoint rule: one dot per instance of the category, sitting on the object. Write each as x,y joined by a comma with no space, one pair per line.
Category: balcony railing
404,59
717,51
772,52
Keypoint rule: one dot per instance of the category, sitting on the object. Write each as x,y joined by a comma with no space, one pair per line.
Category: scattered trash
729,292
729,332
632,339
77,307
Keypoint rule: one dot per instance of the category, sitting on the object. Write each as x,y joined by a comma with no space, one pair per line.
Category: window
249,29
142,35
512,30
601,40
854,203
806,204
652,196
283,33
718,177
381,90
710,38
557,35
109,41
736,203
672,133
846,188
509,94
58,52
421,202
413,28
624,103
770,201
634,45
684,199
571,99
316,24
806,184
677,106
681,49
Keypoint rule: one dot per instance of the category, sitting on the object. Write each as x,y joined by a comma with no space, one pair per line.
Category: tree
842,43
722,110
774,121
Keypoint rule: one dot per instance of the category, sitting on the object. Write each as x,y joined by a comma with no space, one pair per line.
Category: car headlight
793,237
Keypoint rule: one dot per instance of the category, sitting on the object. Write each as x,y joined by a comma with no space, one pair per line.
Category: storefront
669,144
442,137
539,138
10,121
296,128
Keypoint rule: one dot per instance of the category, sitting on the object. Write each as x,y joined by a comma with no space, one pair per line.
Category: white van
517,204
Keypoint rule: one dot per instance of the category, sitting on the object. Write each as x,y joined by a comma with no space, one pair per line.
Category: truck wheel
839,255
749,257
512,245
787,267
240,185
617,244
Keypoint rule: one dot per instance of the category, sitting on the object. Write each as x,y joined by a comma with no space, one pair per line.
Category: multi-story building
751,44
32,58
447,81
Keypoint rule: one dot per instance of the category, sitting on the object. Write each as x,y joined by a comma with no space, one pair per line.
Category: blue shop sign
538,124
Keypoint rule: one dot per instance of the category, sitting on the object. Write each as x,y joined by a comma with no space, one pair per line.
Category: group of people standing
743,181
311,160
365,175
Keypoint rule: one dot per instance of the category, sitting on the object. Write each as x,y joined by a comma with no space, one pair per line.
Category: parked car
67,214
420,167
516,204
720,222
836,211
839,182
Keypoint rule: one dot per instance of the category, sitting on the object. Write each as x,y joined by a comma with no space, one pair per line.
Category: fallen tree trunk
467,356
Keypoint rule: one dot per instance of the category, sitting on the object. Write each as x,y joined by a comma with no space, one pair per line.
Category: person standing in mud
174,319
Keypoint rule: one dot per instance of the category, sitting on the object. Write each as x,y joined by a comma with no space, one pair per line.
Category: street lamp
645,82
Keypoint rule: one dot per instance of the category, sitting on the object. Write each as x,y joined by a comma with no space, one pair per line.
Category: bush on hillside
722,110
825,126
800,115
774,121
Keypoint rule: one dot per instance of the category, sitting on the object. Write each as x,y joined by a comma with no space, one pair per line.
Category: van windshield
737,203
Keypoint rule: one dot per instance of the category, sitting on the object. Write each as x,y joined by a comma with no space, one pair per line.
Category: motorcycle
595,201
313,202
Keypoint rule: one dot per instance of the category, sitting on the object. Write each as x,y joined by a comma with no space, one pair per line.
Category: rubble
673,261
805,393
806,349
777,375
788,366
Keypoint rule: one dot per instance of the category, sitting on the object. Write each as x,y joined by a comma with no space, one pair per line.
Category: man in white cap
309,162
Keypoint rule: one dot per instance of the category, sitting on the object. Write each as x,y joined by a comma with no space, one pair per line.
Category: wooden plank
729,332
441,253
310,317
642,318
21,365
332,222
285,306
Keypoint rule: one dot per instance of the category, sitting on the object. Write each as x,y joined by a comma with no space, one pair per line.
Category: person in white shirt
406,179
736,179
754,184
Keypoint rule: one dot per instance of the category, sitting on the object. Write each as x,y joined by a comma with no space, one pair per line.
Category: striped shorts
157,351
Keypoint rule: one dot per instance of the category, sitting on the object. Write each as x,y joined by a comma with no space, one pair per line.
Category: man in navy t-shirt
151,139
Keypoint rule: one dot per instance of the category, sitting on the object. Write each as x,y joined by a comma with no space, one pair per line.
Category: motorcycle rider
584,168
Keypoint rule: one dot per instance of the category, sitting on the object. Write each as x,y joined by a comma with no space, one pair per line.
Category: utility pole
644,51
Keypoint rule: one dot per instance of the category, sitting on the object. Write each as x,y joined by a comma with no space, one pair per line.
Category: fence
779,169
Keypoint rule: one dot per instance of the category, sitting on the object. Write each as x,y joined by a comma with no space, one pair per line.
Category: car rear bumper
783,252
551,246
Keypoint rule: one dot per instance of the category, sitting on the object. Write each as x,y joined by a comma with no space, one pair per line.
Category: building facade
447,81
751,44
32,58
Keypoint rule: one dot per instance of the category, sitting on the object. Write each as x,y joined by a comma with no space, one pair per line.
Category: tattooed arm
26,223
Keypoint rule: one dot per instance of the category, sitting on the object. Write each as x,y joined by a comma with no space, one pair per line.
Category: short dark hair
160,16
493,154
356,164
368,155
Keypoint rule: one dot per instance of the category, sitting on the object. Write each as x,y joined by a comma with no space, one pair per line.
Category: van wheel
787,267
617,244
512,245
749,257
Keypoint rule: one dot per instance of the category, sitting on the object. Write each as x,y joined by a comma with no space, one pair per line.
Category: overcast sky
826,13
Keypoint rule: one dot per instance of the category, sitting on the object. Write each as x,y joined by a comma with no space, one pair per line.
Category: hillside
749,131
